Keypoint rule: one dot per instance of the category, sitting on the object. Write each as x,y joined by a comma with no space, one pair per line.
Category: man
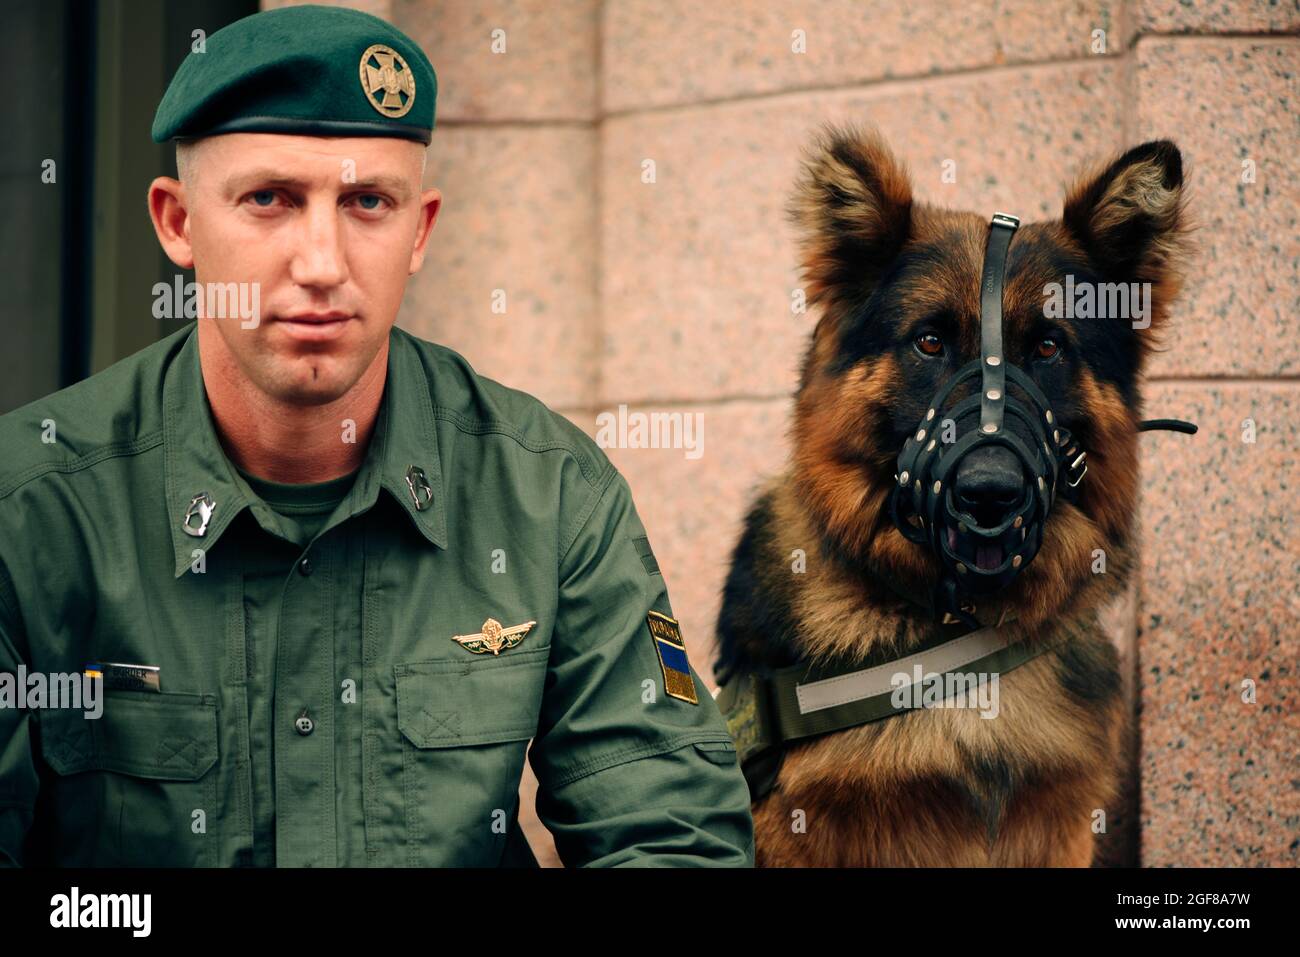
331,580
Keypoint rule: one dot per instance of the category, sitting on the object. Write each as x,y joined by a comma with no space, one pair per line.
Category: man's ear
852,209
171,220
430,203
1131,219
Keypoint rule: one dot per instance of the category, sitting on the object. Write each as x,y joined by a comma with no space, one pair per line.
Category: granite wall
674,295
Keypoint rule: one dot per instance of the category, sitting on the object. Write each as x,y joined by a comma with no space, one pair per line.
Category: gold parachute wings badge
494,637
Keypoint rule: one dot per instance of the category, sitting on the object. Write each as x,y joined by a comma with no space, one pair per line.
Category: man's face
329,228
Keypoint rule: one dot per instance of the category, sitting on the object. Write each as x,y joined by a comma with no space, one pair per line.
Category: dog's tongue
988,557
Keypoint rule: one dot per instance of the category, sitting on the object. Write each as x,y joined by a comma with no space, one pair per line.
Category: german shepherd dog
898,286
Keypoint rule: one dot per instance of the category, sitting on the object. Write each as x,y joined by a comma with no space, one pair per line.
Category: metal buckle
417,483
1074,465
1006,219
203,506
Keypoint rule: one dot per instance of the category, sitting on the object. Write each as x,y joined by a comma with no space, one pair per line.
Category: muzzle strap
993,363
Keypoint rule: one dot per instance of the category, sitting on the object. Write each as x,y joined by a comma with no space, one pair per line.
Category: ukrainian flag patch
671,649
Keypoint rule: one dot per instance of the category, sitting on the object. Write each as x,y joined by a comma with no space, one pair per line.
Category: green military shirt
314,707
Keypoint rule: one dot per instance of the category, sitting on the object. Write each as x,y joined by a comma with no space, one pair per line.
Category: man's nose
989,485
320,259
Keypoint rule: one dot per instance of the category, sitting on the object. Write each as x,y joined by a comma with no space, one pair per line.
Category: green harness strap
765,712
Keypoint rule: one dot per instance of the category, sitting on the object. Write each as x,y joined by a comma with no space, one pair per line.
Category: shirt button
304,567
304,725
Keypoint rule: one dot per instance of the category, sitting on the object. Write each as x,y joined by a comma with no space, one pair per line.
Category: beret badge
385,77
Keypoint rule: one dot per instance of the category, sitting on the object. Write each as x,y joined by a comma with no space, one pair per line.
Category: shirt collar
204,492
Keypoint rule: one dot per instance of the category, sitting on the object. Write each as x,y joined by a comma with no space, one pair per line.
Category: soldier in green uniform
330,581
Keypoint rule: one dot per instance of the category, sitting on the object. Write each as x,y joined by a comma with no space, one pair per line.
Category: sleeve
18,775
629,774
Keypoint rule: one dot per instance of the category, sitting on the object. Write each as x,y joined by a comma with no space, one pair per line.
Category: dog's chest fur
947,786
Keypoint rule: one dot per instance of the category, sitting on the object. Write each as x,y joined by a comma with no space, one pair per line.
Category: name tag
127,677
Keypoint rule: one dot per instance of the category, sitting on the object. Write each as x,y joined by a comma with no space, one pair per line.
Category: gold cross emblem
493,637
383,71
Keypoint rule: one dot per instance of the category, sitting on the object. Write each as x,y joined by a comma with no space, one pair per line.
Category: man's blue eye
264,197
369,201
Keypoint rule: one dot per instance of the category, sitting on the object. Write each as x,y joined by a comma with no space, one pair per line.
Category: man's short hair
185,150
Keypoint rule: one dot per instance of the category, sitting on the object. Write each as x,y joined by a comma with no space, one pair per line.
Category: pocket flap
487,700
167,736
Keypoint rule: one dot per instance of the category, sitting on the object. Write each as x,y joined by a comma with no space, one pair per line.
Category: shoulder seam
478,427
115,450
584,514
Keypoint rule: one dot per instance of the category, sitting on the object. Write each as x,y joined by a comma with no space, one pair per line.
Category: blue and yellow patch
671,649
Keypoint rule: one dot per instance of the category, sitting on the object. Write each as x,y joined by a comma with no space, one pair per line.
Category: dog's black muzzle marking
958,491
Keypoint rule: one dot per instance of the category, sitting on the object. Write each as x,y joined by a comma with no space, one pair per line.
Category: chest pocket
136,786
465,726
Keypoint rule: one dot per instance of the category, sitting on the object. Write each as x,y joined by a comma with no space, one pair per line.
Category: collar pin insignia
421,490
203,506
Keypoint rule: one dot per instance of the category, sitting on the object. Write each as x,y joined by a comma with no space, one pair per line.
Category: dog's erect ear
853,209
1130,217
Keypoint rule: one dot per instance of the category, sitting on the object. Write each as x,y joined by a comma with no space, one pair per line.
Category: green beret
312,70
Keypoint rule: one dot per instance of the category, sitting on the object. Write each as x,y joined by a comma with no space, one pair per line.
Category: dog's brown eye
929,343
1047,349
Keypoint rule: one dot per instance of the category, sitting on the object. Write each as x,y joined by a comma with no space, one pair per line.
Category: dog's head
898,284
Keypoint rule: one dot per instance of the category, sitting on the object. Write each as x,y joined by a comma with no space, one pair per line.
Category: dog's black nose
989,484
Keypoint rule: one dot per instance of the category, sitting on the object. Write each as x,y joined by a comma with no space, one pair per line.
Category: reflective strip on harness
870,682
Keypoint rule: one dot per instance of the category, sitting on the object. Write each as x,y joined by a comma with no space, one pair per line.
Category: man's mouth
315,326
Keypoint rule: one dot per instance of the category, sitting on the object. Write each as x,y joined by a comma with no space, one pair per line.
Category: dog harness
765,712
